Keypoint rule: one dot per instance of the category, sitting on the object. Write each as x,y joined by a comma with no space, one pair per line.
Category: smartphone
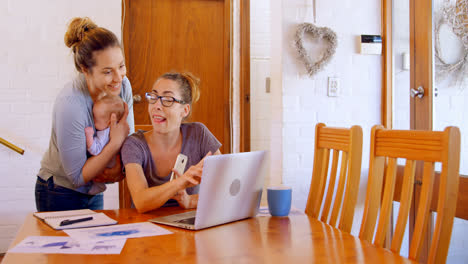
179,166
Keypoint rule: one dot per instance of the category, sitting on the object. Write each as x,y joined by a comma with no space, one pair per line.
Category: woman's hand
119,130
118,133
113,174
186,201
193,175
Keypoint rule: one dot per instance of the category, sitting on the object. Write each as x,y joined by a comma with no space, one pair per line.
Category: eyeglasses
166,101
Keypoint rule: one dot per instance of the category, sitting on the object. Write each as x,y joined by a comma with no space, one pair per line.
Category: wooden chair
428,147
348,143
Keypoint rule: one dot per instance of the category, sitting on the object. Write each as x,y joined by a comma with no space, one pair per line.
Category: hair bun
194,83
77,29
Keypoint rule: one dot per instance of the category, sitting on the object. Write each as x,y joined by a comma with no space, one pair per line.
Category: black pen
69,222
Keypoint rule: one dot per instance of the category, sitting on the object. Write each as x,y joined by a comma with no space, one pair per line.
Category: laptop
230,190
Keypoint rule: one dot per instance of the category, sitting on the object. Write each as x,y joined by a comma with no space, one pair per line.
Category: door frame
244,72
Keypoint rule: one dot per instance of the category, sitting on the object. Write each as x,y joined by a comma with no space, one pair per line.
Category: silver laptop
230,190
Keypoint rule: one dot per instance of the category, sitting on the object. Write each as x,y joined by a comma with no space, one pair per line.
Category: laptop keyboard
190,221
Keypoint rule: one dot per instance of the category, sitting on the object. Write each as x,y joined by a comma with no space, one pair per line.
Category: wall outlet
333,86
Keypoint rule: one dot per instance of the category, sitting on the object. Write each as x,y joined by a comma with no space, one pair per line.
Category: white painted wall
450,102
283,121
34,66
235,84
260,121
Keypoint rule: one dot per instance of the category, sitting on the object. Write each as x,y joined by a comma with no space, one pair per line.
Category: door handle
137,98
419,92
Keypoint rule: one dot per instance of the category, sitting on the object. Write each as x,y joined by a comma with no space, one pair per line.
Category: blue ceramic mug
279,200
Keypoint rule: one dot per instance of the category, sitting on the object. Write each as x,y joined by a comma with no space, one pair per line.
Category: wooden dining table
296,238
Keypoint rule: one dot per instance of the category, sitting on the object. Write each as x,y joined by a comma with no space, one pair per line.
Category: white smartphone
179,166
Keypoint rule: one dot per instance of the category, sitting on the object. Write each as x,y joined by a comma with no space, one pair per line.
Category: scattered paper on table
263,211
117,232
67,245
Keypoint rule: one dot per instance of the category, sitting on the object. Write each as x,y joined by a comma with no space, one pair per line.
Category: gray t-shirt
66,156
197,141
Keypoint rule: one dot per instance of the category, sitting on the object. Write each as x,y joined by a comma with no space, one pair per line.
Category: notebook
230,190
53,219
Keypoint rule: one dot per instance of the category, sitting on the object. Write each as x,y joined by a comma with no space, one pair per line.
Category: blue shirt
72,112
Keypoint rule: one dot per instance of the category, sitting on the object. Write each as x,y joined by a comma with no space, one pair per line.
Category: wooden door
160,36
181,35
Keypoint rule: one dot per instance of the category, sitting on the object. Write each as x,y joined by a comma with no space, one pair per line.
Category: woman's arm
115,174
70,118
95,165
149,198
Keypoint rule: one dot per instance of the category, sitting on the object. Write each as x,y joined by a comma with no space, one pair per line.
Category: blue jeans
51,197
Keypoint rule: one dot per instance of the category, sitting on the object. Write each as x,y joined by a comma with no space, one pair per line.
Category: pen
69,222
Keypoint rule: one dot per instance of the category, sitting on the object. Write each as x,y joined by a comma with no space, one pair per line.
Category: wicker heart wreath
316,33
456,17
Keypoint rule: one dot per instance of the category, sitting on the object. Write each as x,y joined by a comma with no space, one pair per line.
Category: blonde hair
84,37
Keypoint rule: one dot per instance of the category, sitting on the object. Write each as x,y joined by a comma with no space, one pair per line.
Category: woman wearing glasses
149,156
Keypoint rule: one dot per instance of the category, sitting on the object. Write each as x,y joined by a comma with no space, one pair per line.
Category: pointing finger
203,160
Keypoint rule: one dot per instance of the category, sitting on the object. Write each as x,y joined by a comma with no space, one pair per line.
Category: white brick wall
305,100
34,66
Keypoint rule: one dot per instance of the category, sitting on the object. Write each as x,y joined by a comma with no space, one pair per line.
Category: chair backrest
346,143
425,146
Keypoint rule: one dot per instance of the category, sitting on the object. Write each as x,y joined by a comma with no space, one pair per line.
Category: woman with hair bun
70,178
149,157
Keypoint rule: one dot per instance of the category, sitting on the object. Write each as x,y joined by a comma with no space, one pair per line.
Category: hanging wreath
316,33
457,18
